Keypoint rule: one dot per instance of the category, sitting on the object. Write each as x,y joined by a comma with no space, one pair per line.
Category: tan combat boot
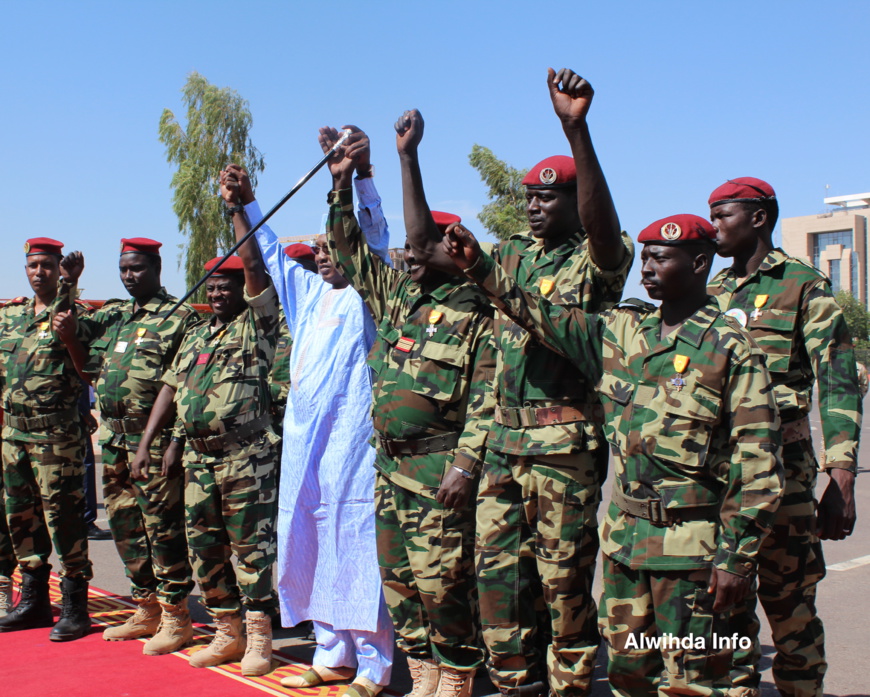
455,683
227,646
143,622
5,595
425,675
175,630
258,656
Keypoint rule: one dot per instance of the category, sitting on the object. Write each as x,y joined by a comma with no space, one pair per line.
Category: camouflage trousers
45,503
791,564
7,554
537,540
230,508
147,523
426,555
639,608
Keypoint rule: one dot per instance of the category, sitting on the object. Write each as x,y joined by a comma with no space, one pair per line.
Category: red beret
230,266
140,245
43,245
678,229
742,189
555,172
444,220
299,251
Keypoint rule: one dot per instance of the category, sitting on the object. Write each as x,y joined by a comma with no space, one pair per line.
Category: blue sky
687,95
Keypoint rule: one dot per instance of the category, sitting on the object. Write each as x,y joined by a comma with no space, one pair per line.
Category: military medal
405,344
546,286
43,330
681,362
739,315
760,301
434,318
140,332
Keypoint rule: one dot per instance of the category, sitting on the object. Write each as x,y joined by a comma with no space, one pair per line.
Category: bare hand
729,589
64,325
461,246
141,463
837,513
354,152
572,100
409,131
172,459
455,490
236,186
90,422
71,266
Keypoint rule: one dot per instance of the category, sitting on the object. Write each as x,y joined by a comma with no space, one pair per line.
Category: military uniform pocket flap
446,353
699,404
776,320
615,389
7,346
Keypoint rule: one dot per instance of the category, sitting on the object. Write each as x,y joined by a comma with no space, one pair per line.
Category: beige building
834,242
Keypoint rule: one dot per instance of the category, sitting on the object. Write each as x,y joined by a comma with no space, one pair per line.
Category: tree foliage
506,214
857,317
216,134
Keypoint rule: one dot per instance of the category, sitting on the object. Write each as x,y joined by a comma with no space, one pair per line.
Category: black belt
210,444
655,512
416,446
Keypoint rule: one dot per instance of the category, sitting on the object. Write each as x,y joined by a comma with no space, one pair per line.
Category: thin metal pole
287,197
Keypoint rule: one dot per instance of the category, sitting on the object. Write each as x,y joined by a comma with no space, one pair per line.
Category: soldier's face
139,275
43,272
670,272
552,213
736,232
325,267
417,271
226,295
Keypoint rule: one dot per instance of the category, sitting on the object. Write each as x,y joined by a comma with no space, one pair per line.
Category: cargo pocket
774,333
687,426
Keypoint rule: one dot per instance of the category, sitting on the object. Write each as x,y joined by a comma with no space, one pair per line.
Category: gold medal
43,330
547,286
681,362
760,301
434,318
140,332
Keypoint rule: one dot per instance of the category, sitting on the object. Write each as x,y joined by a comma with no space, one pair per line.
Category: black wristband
238,208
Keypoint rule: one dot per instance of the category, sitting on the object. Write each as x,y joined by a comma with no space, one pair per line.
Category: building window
834,274
823,240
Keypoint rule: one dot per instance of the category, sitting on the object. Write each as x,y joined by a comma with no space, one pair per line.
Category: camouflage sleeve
615,279
829,346
265,315
367,273
481,401
750,465
568,331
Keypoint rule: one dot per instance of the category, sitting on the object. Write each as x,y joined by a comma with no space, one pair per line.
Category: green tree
857,317
506,214
216,134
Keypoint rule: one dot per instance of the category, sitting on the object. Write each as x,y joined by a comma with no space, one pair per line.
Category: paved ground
844,604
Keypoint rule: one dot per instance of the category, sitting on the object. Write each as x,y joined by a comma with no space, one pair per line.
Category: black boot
74,621
34,607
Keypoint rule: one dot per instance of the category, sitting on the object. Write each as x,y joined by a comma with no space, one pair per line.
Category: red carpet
33,666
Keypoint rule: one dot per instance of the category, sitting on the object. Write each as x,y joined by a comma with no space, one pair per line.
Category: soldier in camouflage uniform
546,456
692,422
43,450
433,361
131,346
219,386
7,553
790,311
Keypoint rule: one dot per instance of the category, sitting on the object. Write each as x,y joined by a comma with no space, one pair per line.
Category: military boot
34,606
5,595
227,646
74,620
175,630
144,622
258,656
533,689
455,683
425,675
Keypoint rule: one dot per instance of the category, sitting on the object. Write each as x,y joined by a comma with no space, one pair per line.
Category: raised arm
572,97
237,193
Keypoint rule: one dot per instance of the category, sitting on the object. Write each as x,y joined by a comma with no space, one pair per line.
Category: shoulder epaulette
521,237
84,304
20,300
114,301
635,304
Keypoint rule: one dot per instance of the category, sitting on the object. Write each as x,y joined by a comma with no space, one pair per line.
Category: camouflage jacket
221,377
802,331
530,375
279,379
129,351
433,359
691,420
38,375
